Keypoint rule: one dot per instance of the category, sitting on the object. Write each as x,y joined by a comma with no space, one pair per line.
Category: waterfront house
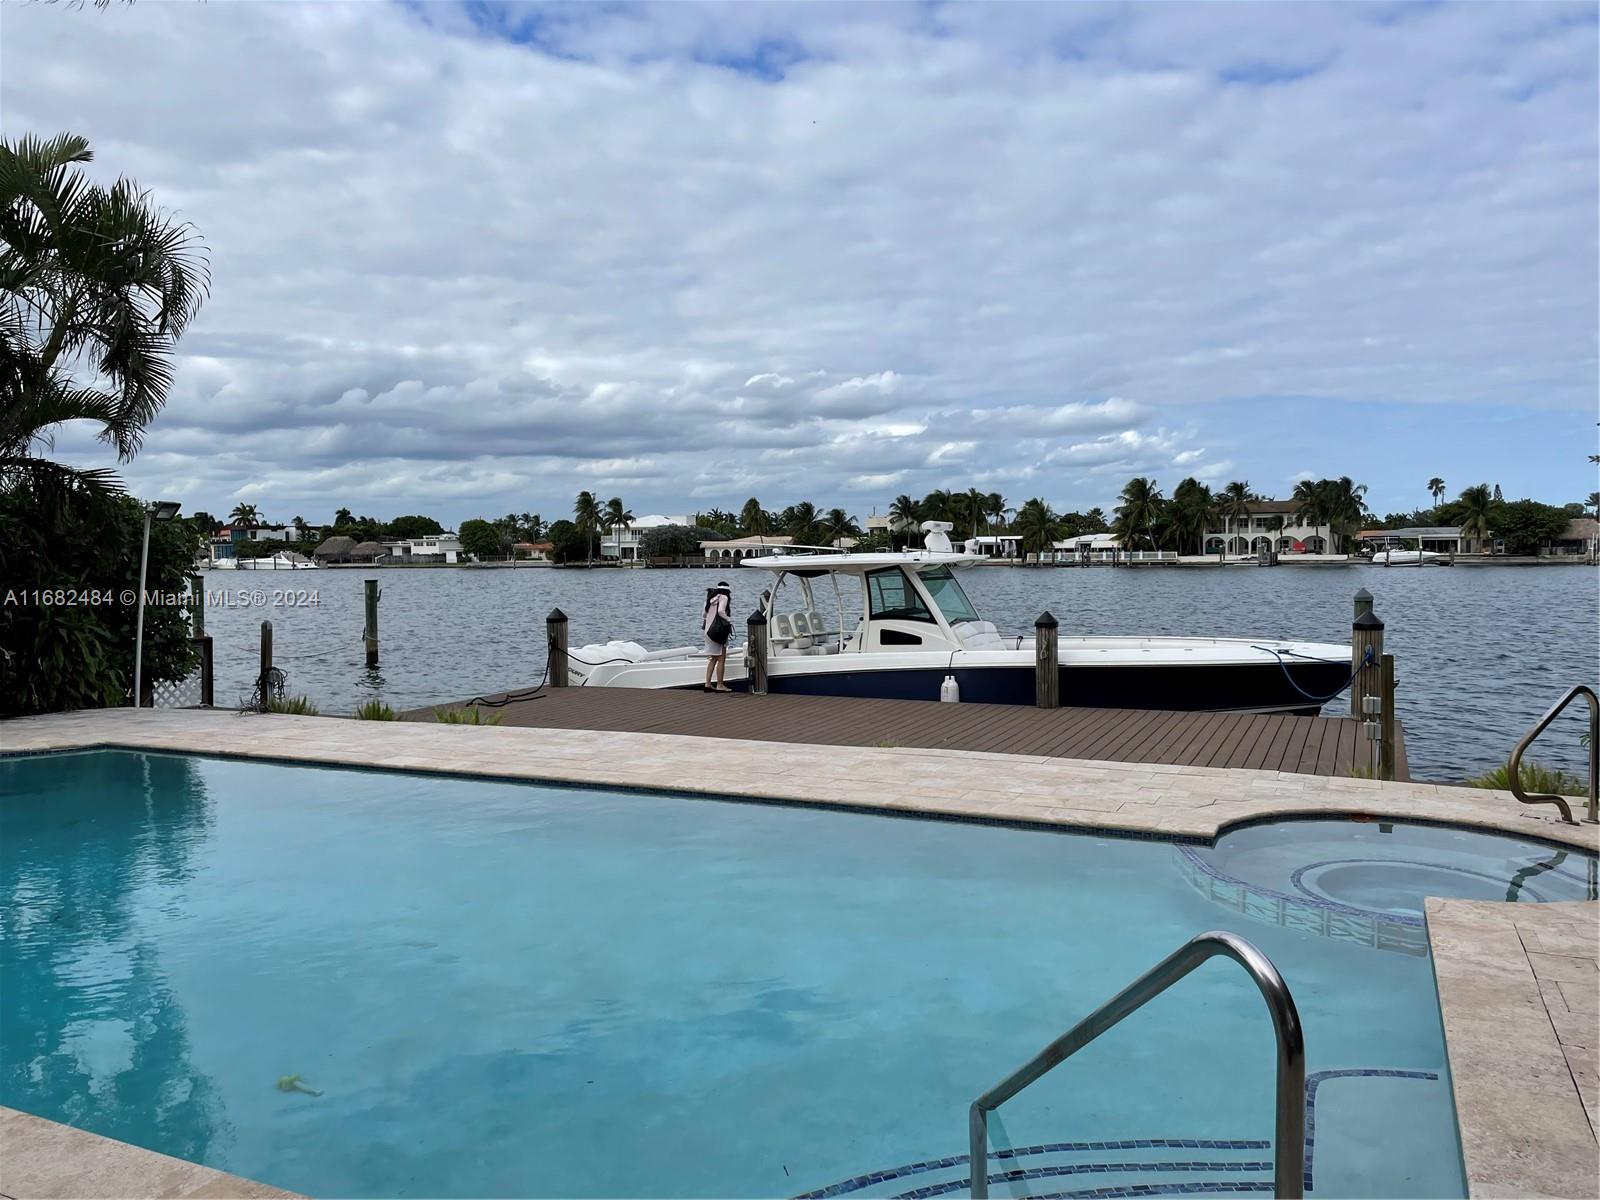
1581,537
622,542
430,548
738,549
532,551
1435,539
994,545
336,549
1271,524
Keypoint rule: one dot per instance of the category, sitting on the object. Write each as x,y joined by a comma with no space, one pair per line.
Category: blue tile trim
1308,900
1017,1152
1020,1176
1317,1078
1210,1187
1013,1153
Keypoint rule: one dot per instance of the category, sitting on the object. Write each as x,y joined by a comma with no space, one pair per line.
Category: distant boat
1410,558
283,560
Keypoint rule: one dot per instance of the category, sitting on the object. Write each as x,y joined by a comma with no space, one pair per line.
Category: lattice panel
182,693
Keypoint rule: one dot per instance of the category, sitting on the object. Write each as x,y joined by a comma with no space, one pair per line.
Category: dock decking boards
1271,742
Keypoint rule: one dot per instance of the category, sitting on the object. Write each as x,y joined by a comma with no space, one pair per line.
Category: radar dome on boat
936,536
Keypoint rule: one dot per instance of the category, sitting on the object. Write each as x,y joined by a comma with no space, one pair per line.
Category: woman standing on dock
717,625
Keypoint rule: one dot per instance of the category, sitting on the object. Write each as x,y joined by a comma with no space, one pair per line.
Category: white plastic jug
950,690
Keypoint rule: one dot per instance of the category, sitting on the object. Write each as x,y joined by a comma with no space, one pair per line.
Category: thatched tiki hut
334,550
369,552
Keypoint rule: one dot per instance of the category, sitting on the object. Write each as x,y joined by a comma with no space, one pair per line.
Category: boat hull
1242,687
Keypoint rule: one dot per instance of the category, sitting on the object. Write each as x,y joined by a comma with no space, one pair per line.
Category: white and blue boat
896,625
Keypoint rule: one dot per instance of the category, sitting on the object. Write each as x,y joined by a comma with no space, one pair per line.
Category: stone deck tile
42,1160
1524,1088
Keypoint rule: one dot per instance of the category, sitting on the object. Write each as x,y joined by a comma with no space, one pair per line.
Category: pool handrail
1514,763
1289,1140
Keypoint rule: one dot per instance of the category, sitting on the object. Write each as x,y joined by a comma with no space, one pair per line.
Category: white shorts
713,650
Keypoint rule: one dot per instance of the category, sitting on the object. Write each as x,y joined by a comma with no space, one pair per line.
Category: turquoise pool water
503,989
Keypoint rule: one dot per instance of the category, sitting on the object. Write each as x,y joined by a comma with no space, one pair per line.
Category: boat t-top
897,624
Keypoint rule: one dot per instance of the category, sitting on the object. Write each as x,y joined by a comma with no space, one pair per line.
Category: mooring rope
1366,661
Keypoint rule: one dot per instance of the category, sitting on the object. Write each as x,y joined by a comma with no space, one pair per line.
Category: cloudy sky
472,258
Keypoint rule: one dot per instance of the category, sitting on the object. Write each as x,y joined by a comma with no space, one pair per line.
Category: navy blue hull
1242,686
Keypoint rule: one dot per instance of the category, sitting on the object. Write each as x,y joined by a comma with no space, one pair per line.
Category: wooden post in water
1386,718
1046,666
264,675
1366,653
755,652
197,606
208,672
555,628
369,636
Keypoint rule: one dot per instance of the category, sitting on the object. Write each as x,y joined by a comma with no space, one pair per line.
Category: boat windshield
947,594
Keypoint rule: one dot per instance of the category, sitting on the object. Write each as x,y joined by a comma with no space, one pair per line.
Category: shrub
1534,777
59,657
294,706
467,716
376,710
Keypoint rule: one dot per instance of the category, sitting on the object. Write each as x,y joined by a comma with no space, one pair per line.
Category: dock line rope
1366,661
533,692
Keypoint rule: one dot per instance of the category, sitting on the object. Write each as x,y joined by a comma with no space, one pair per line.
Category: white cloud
484,259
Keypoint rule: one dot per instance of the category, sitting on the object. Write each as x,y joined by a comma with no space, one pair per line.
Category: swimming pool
512,989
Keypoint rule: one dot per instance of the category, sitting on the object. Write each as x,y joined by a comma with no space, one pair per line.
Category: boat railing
1289,1138
1514,763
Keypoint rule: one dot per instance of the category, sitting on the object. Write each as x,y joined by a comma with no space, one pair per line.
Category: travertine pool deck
1518,991
1505,1155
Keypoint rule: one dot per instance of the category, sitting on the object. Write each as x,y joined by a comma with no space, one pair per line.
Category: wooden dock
1304,745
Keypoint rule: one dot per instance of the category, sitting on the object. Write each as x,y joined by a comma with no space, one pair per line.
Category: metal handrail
1289,1145
1514,764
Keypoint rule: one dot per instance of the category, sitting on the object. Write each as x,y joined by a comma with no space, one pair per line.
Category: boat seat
782,629
979,635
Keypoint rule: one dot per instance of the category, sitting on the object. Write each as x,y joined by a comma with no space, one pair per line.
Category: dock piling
1366,655
555,626
756,653
1363,602
1386,716
369,636
264,675
1046,665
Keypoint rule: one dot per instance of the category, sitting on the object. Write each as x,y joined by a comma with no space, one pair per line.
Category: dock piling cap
1367,620
1364,596
556,615
1045,621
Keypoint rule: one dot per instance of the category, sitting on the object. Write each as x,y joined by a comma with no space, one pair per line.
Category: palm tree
972,505
1346,507
1234,505
938,505
586,516
1476,501
1193,510
801,522
617,517
841,525
905,515
93,280
753,518
1436,490
1138,513
343,517
247,515
995,510
1594,503
1037,528
1310,505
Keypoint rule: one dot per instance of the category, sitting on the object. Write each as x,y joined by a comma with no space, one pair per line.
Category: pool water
364,983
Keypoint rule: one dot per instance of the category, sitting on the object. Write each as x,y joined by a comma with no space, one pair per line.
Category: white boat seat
782,629
979,635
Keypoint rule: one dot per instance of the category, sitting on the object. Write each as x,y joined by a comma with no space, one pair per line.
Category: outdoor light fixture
154,510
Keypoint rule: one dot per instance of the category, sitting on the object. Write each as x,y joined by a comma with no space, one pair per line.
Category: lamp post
154,510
